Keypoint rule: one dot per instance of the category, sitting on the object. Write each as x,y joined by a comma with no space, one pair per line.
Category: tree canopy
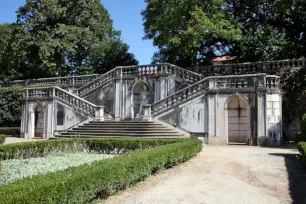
52,37
189,32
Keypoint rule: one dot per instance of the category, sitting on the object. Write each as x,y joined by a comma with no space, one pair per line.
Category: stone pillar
23,121
99,113
49,120
261,119
212,116
163,87
117,100
147,116
30,122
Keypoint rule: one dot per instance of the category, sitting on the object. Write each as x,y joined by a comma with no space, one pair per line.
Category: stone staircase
121,129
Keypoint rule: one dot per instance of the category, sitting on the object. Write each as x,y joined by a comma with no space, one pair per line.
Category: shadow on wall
296,176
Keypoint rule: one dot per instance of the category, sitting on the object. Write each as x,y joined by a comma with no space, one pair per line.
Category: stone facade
243,108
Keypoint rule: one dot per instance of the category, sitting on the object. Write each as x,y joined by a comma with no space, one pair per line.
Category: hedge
300,137
2,138
84,184
100,145
302,149
303,125
13,131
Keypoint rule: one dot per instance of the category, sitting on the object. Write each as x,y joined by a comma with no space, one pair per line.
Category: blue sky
126,17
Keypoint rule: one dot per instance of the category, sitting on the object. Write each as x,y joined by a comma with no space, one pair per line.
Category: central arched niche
238,120
138,89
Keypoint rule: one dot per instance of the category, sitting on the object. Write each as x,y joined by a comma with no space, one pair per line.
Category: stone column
212,116
261,119
117,99
29,133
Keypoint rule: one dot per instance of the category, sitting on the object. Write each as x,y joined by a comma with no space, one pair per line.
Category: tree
187,31
106,56
52,37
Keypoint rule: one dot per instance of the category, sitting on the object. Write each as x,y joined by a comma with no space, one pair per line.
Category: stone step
122,128
91,136
119,134
120,123
122,131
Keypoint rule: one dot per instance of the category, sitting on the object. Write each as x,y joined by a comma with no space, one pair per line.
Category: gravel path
10,140
226,174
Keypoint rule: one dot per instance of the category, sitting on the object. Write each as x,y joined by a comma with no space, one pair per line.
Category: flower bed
85,183
16,169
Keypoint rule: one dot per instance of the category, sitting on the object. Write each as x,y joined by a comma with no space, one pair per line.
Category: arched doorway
141,96
39,121
238,120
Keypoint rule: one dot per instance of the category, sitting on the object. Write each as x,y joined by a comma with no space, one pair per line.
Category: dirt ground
226,174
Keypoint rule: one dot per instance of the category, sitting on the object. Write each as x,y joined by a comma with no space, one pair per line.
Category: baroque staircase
121,129
200,80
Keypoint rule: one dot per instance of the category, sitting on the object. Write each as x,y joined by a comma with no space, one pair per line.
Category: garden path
226,174
10,140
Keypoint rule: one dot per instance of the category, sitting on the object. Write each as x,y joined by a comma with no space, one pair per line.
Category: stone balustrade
268,67
250,82
45,93
181,96
142,70
97,83
73,81
273,82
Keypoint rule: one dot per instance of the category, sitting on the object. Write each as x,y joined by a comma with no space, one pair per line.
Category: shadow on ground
296,176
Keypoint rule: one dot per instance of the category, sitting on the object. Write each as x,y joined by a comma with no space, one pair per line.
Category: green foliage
105,146
10,107
52,37
302,149
300,137
303,125
182,29
2,138
12,131
17,169
85,183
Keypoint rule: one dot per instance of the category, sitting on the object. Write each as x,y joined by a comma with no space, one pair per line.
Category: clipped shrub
2,138
300,137
85,183
302,151
303,124
12,131
100,145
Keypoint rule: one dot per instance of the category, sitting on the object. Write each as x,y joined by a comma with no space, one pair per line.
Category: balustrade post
147,116
99,113
53,91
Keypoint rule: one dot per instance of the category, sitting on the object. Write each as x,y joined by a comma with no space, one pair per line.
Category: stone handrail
97,83
268,67
273,82
164,68
44,93
216,83
136,70
180,97
69,81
